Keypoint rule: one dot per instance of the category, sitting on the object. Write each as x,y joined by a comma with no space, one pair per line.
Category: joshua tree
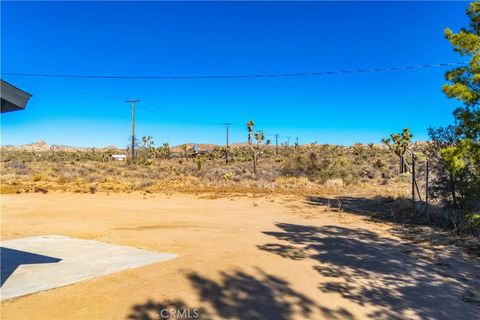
147,145
250,125
259,137
399,143
185,150
165,151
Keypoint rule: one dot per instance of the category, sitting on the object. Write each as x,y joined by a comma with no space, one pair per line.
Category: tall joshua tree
399,143
259,137
250,125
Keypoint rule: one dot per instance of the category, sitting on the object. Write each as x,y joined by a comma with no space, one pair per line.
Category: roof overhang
12,98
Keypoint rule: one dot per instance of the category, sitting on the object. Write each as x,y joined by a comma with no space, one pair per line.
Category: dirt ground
278,257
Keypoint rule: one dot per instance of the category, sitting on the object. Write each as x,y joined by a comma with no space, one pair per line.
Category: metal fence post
413,182
427,190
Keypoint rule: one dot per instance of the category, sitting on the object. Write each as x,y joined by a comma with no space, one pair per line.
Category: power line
229,125
55,90
237,76
148,106
76,93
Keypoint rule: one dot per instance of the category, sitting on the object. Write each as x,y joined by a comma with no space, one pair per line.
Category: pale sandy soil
242,258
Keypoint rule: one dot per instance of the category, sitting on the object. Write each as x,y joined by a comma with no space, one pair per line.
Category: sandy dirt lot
276,257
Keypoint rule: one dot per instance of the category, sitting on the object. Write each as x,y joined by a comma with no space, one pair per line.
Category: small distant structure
12,98
119,157
196,151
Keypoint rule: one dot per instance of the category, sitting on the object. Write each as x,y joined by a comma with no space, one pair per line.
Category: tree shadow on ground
417,226
241,295
368,269
175,309
379,208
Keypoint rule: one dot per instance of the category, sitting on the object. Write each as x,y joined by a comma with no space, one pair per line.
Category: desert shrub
19,167
69,173
379,164
61,179
370,173
319,168
144,184
455,181
228,176
37,177
199,163
15,164
473,222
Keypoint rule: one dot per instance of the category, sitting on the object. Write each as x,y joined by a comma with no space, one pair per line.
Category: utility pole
288,141
276,143
227,124
132,101
296,142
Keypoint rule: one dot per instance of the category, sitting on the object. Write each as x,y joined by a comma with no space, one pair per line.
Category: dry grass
359,168
170,175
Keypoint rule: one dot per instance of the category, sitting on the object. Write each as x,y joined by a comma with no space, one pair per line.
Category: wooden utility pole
276,143
288,141
227,124
132,101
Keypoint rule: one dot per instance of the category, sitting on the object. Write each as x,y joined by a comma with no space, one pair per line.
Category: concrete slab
34,264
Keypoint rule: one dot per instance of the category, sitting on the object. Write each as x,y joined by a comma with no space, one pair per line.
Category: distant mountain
189,146
41,145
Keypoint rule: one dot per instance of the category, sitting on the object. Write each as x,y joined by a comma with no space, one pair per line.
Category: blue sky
160,38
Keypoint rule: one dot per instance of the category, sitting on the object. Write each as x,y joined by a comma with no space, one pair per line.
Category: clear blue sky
158,38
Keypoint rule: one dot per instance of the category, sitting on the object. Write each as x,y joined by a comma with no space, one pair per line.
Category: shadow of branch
369,269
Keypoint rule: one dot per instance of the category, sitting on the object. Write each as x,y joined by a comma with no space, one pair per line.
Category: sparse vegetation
304,170
293,170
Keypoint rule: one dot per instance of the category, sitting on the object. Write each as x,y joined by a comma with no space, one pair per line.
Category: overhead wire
151,107
236,76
